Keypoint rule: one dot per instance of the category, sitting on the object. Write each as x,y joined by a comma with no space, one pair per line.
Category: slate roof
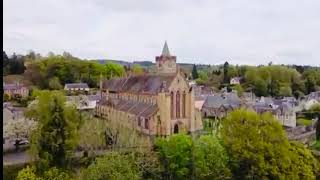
13,86
133,107
139,84
236,79
76,85
314,95
165,50
276,106
96,97
218,100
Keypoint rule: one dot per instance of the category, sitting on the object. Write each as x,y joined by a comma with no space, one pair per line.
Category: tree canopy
55,138
112,166
259,148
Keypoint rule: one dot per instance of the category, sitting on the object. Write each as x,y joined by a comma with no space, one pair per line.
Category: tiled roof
139,84
133,107
96,97
219,100
76,85
13,86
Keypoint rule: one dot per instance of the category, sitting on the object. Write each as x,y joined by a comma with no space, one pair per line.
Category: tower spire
165,50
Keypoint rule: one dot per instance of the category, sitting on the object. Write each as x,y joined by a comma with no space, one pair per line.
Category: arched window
178,104
172,106
184,104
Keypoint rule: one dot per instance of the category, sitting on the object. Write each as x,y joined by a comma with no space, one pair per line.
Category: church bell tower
165,63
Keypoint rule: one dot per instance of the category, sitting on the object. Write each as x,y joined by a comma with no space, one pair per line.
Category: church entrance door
176,129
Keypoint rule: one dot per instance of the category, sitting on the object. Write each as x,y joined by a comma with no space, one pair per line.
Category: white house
309,103
76,87
235,80
84,102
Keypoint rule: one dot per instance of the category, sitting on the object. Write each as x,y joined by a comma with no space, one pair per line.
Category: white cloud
240,31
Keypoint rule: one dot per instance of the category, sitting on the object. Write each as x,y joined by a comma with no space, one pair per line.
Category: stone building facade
158,104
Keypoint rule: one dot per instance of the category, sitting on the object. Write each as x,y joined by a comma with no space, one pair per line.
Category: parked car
24,142
21,142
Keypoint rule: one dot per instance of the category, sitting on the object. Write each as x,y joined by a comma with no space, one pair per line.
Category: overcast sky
198,31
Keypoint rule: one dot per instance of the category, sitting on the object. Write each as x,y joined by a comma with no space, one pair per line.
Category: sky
197,31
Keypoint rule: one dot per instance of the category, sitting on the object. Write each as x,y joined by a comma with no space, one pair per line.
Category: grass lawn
304,122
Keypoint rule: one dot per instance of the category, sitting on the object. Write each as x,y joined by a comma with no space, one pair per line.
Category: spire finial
165,50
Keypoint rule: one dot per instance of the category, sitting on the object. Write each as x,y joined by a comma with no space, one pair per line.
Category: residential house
282,110
249,97
220,104
311,99
15,89
76,87
235,80
309,103
84,102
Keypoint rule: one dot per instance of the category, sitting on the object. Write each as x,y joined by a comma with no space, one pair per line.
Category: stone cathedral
155,104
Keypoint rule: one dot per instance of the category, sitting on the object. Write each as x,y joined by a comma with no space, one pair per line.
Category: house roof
76,85
219,100
13,86
314,95
133,107
236,78
274,107
139,84
96,97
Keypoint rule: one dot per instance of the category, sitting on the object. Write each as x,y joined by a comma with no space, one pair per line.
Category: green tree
304,165
195,74
259,148
112,166
137,69
225,73
175,156
92,133
285,91
55,138
203,75
239,89
56,174
28,173
260,88
6,97
232,72
114,70
54,83
211,159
